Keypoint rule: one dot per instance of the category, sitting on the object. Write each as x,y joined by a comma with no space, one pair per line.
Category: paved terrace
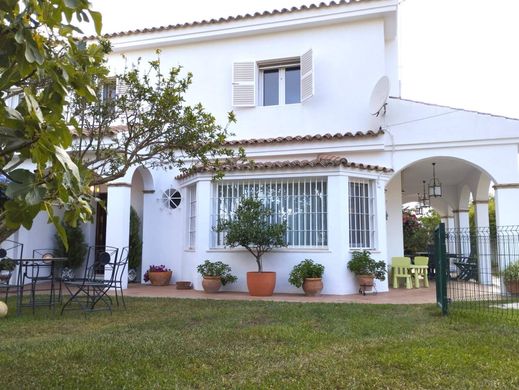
394,296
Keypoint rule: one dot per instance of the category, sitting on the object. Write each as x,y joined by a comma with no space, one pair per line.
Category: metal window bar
301,202
361,213
192,217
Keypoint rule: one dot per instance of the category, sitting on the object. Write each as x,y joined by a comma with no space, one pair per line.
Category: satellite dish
379,95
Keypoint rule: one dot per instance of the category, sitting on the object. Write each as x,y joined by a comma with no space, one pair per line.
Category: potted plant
366,269
6,268
511,276
309,275
76,252
158,275
215,275
251,228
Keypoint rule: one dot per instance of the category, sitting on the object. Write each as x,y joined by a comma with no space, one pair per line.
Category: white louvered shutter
307,75
244,84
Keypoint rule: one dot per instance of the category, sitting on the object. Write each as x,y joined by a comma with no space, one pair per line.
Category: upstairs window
273,82
109,90
280,84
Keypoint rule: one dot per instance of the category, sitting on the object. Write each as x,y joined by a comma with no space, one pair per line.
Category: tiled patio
394,296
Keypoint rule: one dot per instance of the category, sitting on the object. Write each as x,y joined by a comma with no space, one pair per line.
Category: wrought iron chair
10,254
120,266
99,275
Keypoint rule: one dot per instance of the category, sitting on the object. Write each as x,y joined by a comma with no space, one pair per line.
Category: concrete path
394,296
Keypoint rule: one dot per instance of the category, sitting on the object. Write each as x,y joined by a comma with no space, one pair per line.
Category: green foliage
362,263
511,273
217,268
76,249
135,242
162,130
42,61
7,265
418,232
252,228
305,269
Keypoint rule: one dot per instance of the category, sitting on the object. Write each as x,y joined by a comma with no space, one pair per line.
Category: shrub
362,263
77,248
135,242
7,265
511,272
305,269
217,268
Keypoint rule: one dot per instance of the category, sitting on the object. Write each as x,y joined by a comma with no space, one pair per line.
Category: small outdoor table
35,265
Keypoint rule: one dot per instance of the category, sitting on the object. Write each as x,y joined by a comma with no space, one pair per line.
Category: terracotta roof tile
319,162
305,138
230,18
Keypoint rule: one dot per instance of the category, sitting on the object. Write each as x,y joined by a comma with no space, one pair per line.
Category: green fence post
442,268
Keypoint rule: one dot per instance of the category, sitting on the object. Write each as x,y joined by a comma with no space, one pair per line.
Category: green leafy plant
362,263
7,265
305,269
77,248
217,268
251,228
511,273
135,242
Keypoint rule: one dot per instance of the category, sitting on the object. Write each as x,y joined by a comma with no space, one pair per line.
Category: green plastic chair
421,271
401,269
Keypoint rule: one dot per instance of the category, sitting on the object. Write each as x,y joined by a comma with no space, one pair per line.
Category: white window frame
281,68
362,213
191,217
311,223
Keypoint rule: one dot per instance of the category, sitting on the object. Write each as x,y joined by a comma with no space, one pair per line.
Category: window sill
277,250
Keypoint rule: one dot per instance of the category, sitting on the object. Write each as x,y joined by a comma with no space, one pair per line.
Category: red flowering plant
155,268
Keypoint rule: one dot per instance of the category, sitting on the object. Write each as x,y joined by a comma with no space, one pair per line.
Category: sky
459,53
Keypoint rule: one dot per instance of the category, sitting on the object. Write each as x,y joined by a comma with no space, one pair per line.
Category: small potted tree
366,269
511,276
7,266
215,275
308,275
251,228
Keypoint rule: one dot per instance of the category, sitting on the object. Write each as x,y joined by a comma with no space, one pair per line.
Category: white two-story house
334,155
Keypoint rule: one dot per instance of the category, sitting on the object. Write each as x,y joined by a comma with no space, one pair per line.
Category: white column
461,221
204,226
148,228
483,239
394,224
118,219
381,230
337,278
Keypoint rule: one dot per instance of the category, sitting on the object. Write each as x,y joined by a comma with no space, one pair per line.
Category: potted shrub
134,246
309,275
216,274
76,252
366,269
511,276
251,228
158,275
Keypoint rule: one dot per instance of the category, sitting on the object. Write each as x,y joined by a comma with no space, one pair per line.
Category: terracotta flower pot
261,284
160,278
211,284
512,286
312,286
366,281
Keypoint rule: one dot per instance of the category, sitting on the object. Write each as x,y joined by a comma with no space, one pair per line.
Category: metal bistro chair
117,283
99,275
10,253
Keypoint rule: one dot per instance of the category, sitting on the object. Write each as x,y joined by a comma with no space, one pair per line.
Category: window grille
362,214
192,217
301,202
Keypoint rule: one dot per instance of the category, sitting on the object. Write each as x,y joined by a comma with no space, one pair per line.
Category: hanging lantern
435,187
424,199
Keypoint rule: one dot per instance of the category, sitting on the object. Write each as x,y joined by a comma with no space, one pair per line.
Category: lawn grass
175,343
